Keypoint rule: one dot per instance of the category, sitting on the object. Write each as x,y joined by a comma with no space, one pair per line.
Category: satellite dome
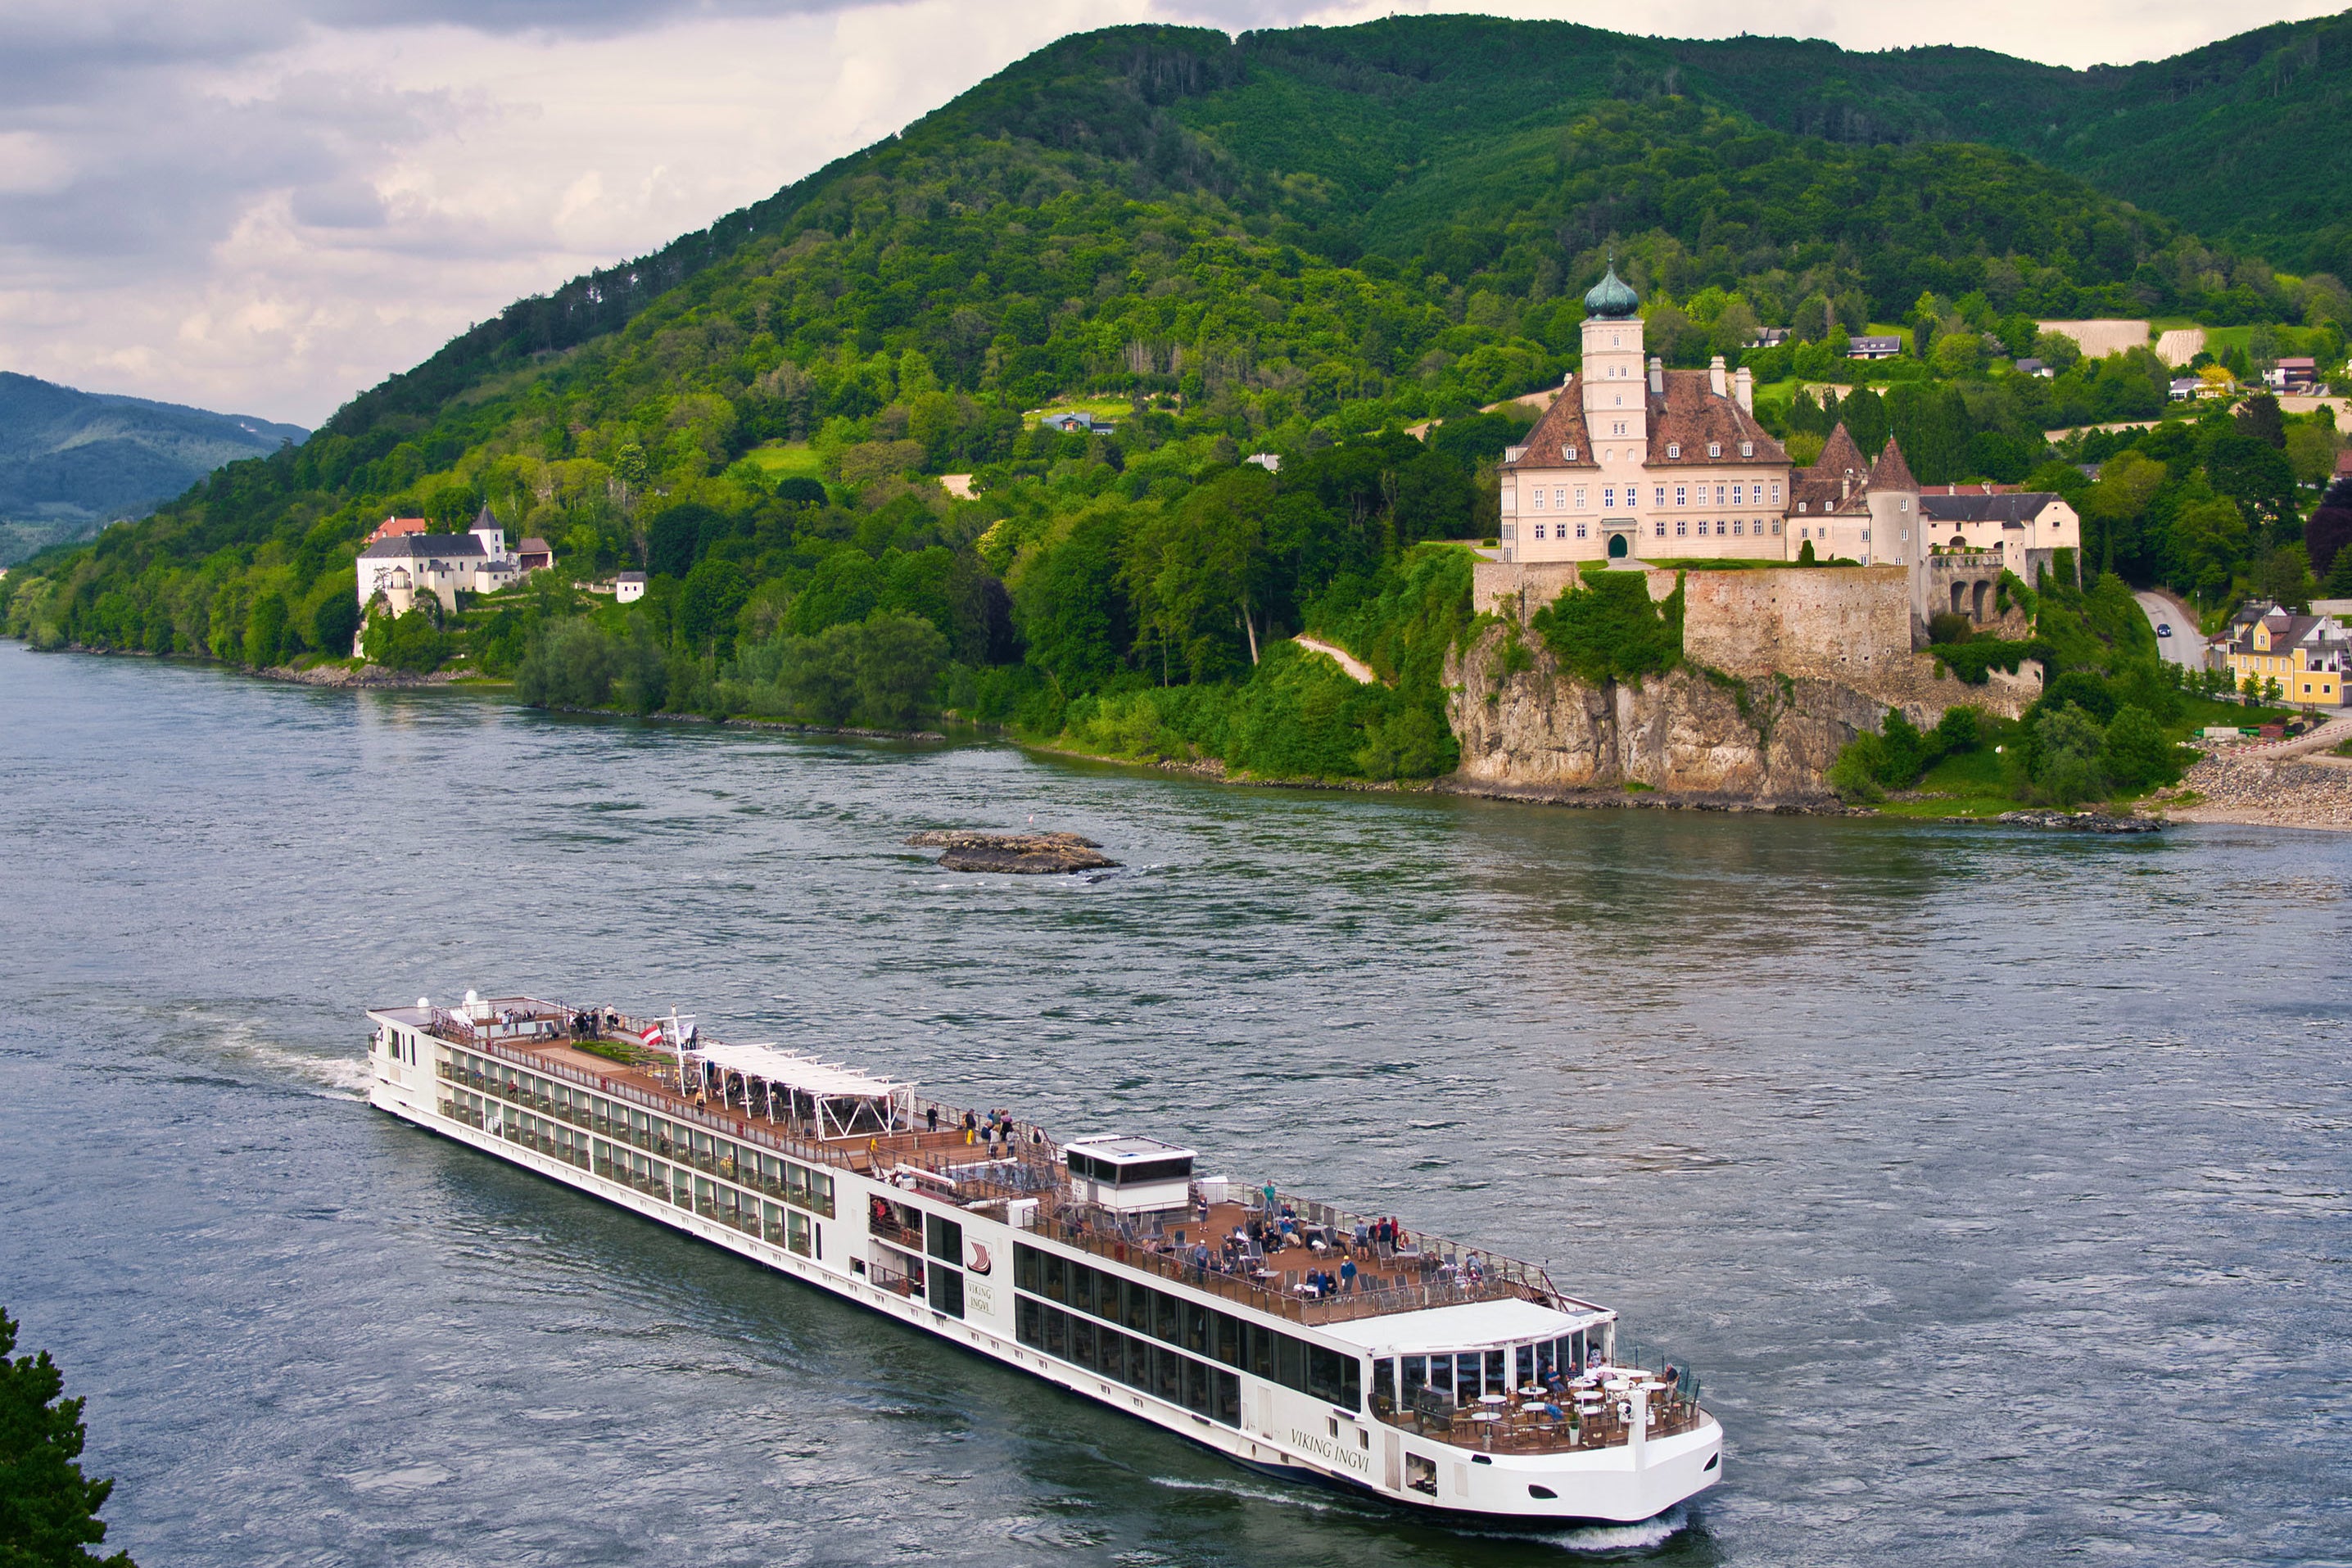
1611,297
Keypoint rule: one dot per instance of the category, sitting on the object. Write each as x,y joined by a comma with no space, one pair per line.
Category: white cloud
269,206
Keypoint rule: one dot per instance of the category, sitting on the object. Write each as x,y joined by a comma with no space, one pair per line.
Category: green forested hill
1294,244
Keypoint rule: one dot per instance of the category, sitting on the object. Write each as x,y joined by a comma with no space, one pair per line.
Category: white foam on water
340,1077
1300,1498
1638,1537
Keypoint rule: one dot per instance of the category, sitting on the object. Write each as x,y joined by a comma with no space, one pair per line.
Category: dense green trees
49,1508
1297,245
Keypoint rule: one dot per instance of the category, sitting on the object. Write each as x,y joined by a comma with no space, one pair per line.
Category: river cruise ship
1276,1328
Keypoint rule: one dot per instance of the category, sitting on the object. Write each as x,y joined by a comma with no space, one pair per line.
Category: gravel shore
2298,792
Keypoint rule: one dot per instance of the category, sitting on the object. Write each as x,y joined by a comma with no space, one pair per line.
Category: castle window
1662,527
1674,449
1718,495
1802,505
1580,498
1776,527
1776,492
1569,452
1739,495
1719,528
1609,498
1539,498
1682,527
1682,495
1748,449
1580,530
1738,527
1539,531
1714,449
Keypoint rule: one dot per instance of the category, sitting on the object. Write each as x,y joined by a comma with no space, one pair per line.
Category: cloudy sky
263,206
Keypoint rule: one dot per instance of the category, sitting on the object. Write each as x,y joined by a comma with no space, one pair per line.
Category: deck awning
1471,1325
793,1069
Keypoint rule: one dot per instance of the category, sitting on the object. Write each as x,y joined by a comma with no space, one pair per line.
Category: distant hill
71,462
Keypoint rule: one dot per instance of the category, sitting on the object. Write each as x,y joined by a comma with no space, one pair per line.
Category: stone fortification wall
1692,733
1844,623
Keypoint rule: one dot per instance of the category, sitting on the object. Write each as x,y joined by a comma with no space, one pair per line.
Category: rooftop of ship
1419,1286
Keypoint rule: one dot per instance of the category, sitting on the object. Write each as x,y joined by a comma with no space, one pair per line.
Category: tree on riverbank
49,1508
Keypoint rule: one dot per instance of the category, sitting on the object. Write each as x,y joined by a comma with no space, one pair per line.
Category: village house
1076,424
1634,460
2292,375
628,588
2304,654
1875,346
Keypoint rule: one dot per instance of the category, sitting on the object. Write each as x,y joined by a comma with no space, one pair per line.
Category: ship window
1167,1317
1287,1370
1526,1359
1024,1266
1168,1370
1323,1373
944,1240
946,1294
1056,1278
1229,1339
1413,1370
1441,1378
1084,1348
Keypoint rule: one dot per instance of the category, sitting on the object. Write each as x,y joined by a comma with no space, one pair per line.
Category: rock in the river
1031,853
2076,821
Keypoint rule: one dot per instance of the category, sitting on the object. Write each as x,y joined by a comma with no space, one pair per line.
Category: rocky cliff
1527,729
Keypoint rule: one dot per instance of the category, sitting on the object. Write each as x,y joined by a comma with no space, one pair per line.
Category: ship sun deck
1464,1346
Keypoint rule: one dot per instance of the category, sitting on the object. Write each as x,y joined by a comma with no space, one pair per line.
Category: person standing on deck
1347,1278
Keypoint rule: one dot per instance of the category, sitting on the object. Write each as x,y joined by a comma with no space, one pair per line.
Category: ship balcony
1592,1411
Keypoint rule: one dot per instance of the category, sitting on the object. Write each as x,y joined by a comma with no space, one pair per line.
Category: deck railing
1530,1427
1029,1167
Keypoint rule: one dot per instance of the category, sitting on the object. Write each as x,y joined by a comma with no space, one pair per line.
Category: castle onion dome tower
1611,299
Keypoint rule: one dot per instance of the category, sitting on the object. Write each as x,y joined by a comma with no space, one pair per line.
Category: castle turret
1615,400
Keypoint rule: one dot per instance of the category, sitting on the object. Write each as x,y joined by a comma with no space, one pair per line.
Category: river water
1995,1184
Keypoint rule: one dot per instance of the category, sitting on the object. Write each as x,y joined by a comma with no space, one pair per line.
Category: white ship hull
1270,1427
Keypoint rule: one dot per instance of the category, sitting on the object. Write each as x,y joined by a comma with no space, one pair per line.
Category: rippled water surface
1995,1184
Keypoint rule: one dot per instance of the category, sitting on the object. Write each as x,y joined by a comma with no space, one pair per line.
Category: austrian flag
653,1036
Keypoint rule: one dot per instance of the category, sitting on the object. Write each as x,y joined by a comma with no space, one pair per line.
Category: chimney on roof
1845,486
1743,389
1657,376
1715,376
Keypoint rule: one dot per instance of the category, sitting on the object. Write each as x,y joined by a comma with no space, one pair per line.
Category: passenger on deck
932,1117
971,1128
1347,1278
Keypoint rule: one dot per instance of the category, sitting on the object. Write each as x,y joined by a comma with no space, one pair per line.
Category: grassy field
785,460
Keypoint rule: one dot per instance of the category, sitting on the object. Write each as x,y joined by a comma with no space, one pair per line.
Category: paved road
2185,646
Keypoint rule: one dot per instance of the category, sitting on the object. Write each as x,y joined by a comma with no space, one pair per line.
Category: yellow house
2295,651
